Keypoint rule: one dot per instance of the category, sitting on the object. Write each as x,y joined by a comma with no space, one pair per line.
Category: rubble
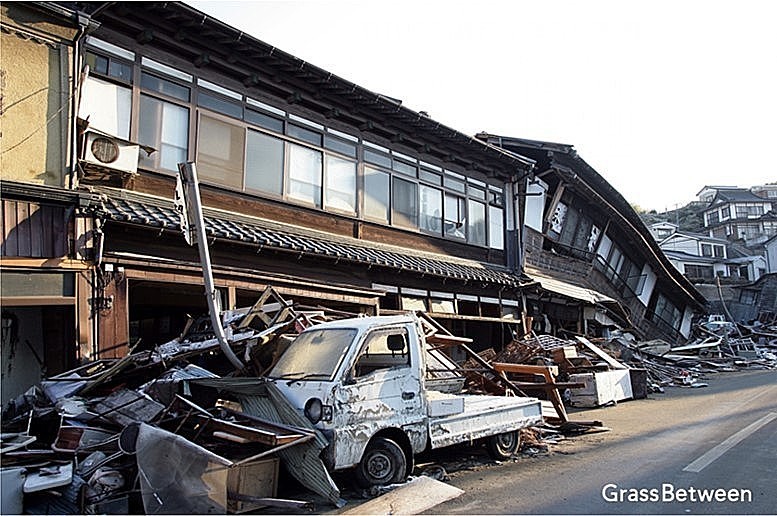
178,429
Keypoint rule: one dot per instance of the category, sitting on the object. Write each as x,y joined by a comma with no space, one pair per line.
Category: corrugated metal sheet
569,290
262,399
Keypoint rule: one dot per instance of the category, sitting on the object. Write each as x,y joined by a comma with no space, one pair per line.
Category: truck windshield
314,355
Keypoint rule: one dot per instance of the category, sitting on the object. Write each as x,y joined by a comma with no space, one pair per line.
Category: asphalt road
721,438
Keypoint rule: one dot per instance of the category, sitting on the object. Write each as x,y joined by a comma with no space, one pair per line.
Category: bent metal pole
189,207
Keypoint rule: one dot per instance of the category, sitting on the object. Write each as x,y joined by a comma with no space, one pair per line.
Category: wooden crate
259,478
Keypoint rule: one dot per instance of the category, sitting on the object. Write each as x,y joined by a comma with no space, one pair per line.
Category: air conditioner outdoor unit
111,153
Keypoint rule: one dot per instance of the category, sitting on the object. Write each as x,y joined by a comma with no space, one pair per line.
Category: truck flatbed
484,416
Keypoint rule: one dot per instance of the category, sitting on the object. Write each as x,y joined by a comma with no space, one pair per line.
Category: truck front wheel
383,463
503,446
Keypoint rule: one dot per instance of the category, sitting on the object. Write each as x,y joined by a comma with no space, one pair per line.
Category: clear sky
660,97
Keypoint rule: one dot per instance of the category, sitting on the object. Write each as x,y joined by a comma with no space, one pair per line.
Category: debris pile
173,429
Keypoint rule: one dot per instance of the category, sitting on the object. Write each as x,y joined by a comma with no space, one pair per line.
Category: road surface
665,455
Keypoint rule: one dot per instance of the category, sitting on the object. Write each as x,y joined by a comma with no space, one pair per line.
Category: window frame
247,113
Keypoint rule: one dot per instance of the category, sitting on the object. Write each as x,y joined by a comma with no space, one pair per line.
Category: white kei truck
363,383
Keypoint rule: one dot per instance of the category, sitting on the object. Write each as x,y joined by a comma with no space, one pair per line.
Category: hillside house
740,214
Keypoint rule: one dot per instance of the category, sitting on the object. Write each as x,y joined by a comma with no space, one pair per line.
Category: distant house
663,229
740,214
697,256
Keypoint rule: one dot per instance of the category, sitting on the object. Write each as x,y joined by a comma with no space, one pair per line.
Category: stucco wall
34,103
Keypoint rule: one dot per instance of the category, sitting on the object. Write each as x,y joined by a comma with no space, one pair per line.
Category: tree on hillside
689,217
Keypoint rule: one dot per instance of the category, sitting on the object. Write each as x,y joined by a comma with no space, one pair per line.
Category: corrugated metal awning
569,290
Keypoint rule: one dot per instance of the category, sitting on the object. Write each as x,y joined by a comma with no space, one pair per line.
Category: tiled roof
159,213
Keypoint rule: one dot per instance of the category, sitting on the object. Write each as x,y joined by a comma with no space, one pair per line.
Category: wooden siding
33,230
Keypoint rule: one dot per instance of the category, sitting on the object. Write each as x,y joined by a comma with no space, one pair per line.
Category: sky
660,97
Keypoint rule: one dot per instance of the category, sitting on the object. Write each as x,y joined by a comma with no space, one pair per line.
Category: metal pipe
187,173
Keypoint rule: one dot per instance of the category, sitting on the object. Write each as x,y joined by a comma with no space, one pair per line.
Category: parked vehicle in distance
363,383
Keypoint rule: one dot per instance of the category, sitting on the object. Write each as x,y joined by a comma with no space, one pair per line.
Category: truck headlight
316,411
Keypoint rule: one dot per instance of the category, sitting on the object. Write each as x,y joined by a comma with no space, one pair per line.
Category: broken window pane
454,216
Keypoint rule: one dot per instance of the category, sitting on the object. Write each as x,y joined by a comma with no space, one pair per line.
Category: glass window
220,105
111,67
305,166
454,216
306,135
404,202
165,127
376,194
431,209
431,177
167,70
454,181
159,85
262,120
476,222
404,168
264,163
377,158
340,184
97,64
477,193
266,107
338,145
220,148
495,228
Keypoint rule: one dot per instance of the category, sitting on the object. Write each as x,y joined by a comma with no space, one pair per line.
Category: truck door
384,386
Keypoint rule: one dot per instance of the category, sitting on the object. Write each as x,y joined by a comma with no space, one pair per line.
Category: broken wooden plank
599,353
414,497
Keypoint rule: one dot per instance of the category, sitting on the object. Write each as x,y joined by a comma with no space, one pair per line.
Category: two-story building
581,230
740,214
702,258
45,243
337,196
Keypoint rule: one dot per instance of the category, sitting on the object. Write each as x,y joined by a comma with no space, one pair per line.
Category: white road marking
712,455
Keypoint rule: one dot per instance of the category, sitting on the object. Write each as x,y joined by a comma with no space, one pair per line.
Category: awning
569,290
615,312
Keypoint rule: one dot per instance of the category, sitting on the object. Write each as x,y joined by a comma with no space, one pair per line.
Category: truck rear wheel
503,446
383,463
